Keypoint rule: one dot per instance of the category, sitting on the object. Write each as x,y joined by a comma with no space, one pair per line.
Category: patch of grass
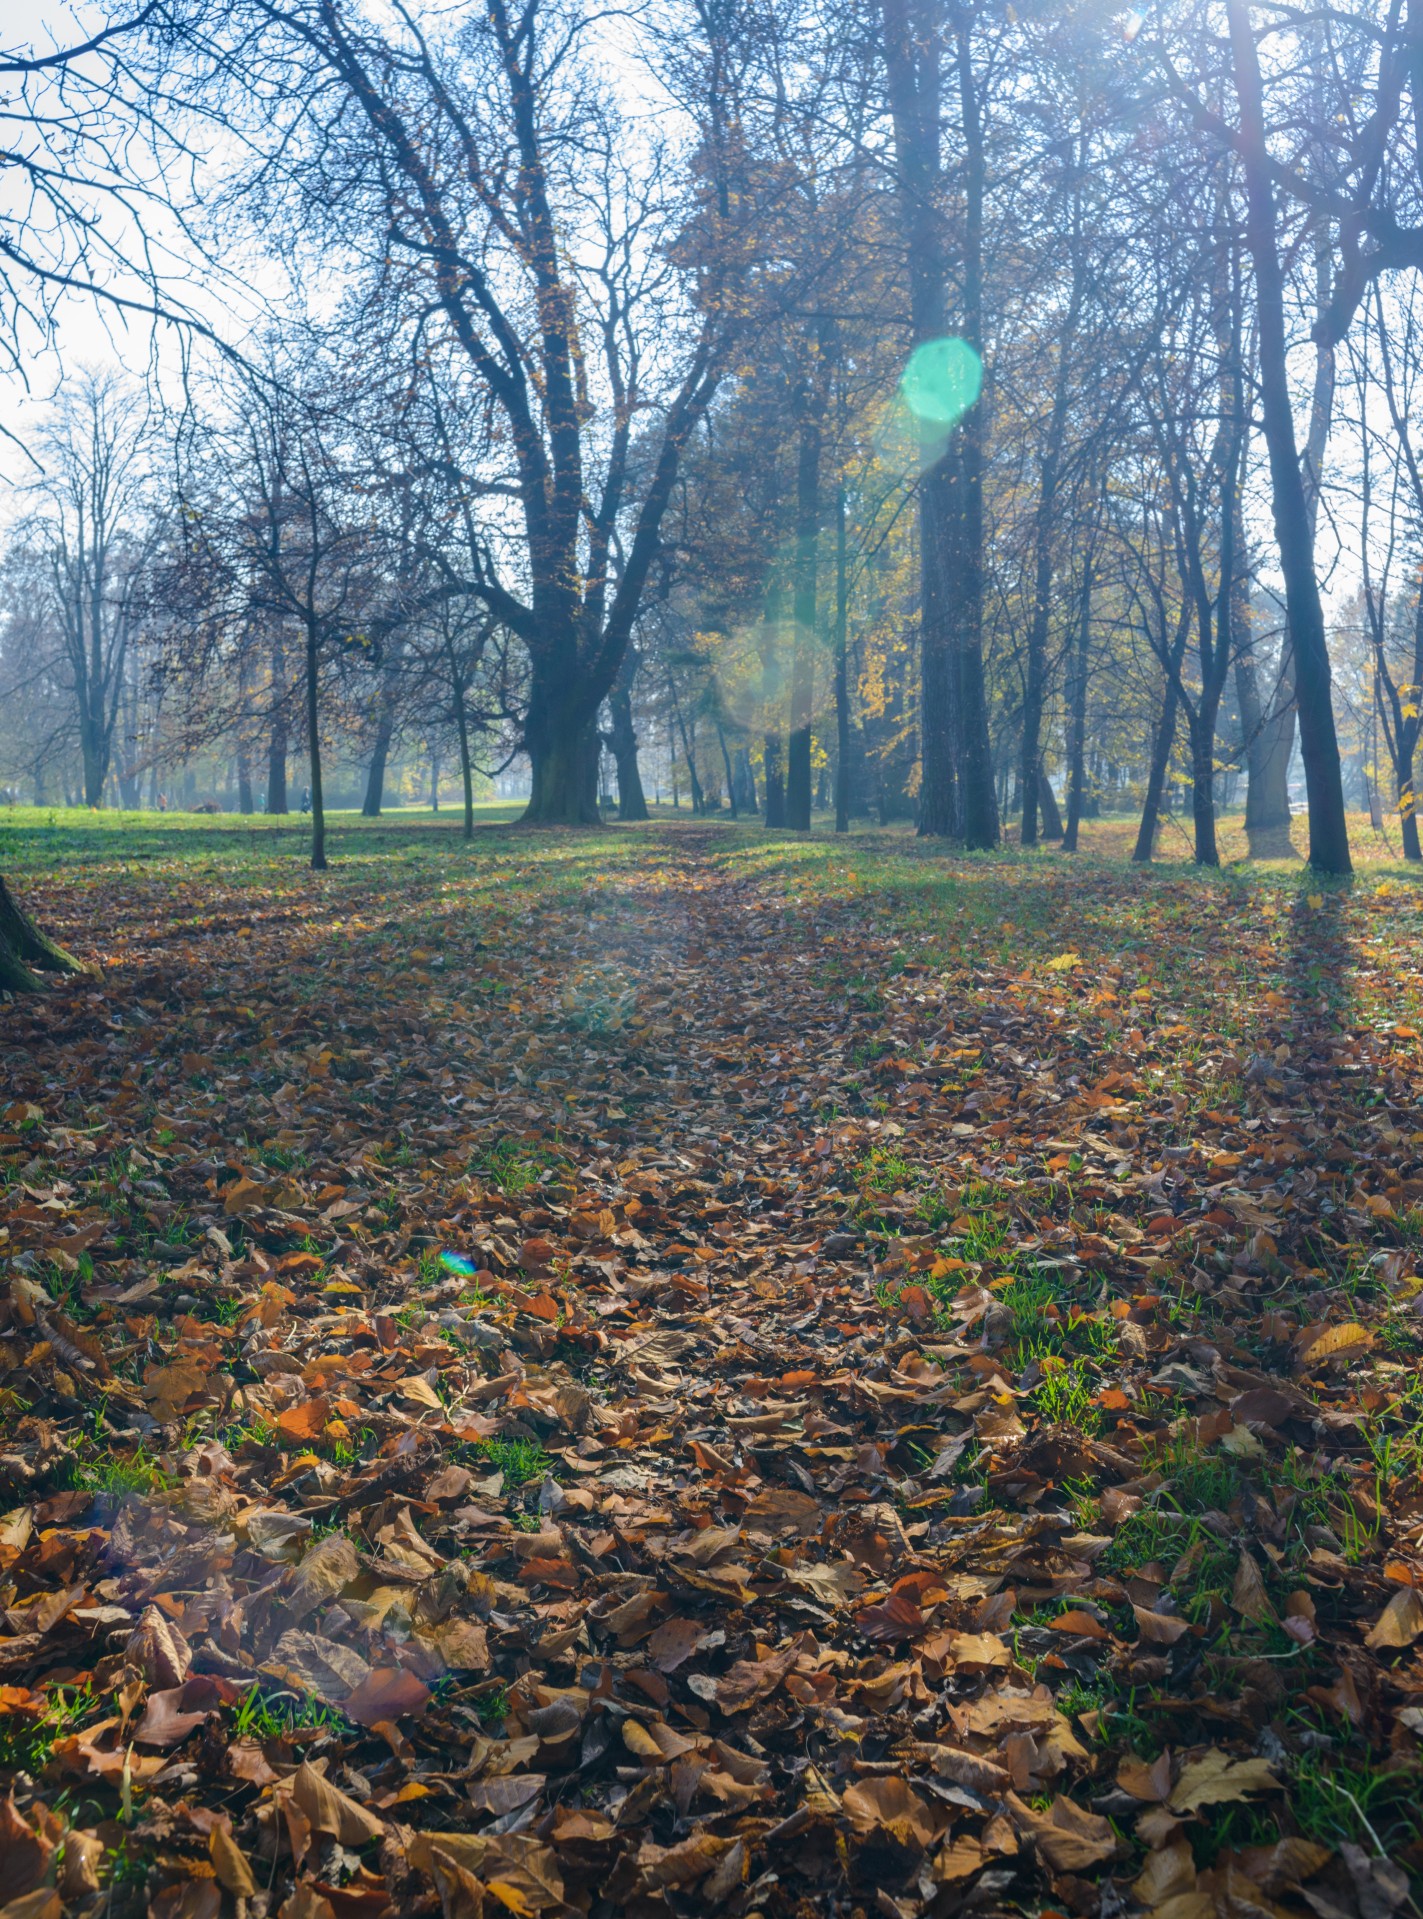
515,1166
275,1715
101,1470
1066,1393
493,1708
1334,1798
520,1460
26,1743
283,1159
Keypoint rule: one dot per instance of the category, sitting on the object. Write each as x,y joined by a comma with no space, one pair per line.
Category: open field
700,1370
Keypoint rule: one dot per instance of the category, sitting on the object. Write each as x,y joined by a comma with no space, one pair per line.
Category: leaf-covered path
673,1373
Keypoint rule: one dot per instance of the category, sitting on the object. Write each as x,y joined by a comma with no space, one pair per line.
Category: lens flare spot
940,383
459,1263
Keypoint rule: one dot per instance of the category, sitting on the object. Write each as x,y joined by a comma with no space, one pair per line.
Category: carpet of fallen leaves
676,1373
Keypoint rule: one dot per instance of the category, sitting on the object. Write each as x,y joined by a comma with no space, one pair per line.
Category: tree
583,302
957,794
94,523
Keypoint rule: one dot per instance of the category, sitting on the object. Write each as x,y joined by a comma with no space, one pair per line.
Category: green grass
276,1715
516,1166
520,1460
26,1743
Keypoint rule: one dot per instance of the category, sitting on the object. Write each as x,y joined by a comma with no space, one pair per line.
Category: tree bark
1030,775
26,952
622,738
561,738
466,759
726,763
1328,828
803,610
380,750
698,799
913,75
313,737
1077,715
979,797
842,670
277,737
1162,741
1047,802
1202,729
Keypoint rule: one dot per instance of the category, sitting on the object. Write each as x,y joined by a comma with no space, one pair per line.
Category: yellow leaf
1400,1622
1064,963
1217,1780
1336,1342
1316,900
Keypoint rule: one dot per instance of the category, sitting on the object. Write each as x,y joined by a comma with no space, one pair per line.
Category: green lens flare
941,382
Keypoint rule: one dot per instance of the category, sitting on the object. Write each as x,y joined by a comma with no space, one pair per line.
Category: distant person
306,799
163,802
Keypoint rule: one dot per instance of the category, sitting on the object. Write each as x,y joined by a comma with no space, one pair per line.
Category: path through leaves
643,1376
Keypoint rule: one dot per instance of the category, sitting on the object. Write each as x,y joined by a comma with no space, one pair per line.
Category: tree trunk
774,780
803,609
1408,812
313,736
466,761
25,951
978,795
622,737
726,763
129,778
561,739
385,731
698,800
1202,729
746,782
1162,741
1328,828
1077,716
244,742
277,738
912,57
1047,802
434,780
842,670
1031,778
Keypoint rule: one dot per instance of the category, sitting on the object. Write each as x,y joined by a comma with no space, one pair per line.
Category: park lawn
634,1312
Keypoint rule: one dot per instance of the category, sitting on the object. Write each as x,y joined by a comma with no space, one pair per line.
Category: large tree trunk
563,756
1328,828
25,951
561,739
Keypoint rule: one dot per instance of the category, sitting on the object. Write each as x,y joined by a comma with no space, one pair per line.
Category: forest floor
682,1371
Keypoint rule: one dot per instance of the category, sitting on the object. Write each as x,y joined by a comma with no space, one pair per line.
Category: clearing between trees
682,1371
